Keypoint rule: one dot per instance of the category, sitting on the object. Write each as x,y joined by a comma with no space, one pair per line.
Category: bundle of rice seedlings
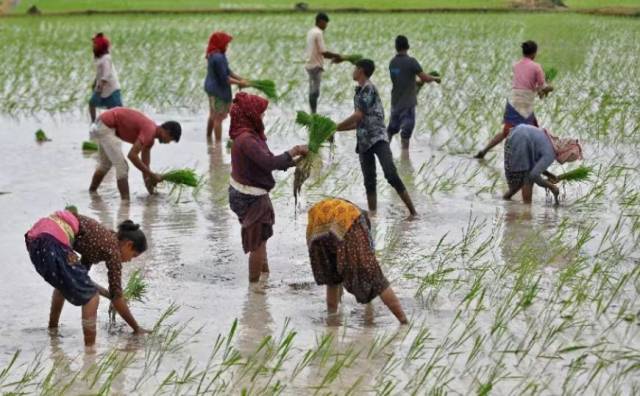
353,59
550,73
134,291
41,136
581,173
71,208
320,129
88,145
268,87
185,177
434,73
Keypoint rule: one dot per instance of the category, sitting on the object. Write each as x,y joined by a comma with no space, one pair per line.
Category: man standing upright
316,53
404,69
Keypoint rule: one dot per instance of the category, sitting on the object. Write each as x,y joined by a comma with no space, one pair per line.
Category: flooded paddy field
502,298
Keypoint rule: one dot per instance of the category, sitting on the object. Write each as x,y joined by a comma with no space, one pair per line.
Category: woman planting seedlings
218,82
371,133
528,152
52,243
251,180
341,253
106,88
528,81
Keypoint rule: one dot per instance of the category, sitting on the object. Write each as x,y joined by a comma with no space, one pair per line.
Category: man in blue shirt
404,70
372,141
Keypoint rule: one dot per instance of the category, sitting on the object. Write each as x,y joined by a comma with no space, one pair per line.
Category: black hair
529,48
367,66
402,43
321,16
130,231
174,129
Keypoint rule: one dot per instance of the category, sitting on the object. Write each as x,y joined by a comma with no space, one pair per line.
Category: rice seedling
268,87
41,136
353,59
320,129
88,145
550,73
135,290
580,174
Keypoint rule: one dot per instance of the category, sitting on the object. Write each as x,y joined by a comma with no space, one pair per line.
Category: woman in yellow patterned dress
342,254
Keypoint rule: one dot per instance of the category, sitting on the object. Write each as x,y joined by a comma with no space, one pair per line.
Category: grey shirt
530,150
403,70
371,128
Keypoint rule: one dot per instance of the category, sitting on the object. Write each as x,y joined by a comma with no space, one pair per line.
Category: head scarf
218,42
101,45
246,115
567,150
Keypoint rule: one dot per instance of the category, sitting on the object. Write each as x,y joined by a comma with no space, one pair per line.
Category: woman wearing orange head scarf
218,82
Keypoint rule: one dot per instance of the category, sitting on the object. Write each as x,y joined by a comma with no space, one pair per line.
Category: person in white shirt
316,54
106,88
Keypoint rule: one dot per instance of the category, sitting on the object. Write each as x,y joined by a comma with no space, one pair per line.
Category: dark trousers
403,121
368,165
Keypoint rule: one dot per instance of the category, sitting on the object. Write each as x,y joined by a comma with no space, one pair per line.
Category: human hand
72,258
243,83
302,150
337,59
141,331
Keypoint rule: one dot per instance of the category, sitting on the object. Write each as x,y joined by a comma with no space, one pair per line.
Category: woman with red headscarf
251,180
218,82
106,88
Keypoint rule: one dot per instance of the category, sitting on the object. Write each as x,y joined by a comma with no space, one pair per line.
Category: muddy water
195,258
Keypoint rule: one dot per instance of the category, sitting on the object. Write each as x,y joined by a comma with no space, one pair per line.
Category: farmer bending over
372,140
342,254
52,243
528,152
131,126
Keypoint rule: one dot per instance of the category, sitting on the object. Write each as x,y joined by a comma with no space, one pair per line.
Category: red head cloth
101,45
246,115
218,42
567,150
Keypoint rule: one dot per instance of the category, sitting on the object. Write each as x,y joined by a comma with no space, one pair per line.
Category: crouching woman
342,254
528,152
52,244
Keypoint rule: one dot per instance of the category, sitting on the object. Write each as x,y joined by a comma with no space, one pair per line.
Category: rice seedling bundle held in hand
353,58
581,173
550,73
135,290
320,129
89,146
186,177
268,87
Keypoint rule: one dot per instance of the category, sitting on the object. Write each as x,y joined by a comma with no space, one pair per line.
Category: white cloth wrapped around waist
522,100
248,190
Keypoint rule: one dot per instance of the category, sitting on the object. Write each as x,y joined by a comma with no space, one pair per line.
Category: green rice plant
88,145
268,87
353,58
434,73
41,136
135,290
550,73
185,177
581,173
320,129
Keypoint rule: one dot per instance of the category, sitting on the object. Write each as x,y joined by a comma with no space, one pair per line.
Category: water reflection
256,321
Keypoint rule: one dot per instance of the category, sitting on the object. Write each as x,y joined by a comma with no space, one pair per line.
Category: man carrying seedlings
372,140
403,70
528,81
316,53
124,124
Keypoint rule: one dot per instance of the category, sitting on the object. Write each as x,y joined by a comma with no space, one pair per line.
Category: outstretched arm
351,122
